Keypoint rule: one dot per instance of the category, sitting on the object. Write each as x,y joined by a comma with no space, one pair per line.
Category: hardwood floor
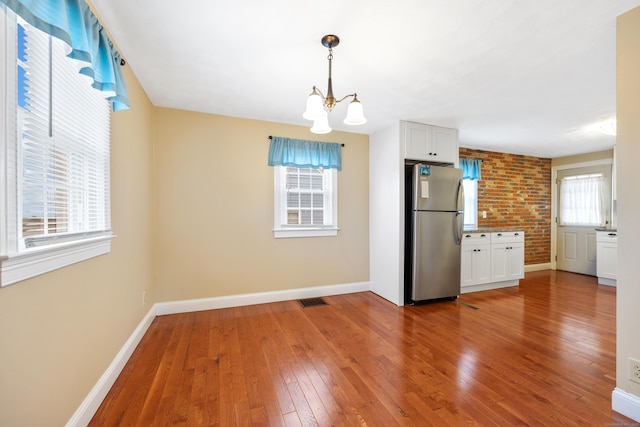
541,354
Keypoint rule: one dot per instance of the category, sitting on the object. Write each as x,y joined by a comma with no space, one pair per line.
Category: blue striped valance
471,169
304,154
73,22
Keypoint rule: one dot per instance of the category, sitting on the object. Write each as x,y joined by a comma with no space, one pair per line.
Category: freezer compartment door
436,255
437,188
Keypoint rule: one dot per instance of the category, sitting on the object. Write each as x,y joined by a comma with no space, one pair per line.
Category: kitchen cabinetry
606,256
430,143
476,262
507,256
387,154
491,260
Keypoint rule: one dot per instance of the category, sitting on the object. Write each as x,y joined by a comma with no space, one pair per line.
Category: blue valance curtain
73,22
471,169
304,154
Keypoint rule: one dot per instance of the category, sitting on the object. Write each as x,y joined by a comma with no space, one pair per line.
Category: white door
584,204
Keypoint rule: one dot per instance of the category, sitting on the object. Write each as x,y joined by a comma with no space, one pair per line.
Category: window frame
18,263
283,230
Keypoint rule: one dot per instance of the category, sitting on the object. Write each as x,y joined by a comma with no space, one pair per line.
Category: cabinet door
466,266
444,146
482,265
417,141
475,265
515,261
499,263
607,260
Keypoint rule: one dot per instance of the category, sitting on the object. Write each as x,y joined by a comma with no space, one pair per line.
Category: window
470,203
305,202
582,200
55,156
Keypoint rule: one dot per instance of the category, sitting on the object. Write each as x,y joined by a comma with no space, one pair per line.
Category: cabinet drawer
607,236
507,237
476,238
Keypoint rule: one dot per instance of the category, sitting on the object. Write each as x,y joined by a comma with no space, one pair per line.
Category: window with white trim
470,203
55,156
305,202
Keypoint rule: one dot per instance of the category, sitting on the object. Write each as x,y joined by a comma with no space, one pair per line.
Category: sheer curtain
582,200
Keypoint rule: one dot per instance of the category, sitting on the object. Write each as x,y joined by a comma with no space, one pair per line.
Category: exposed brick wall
515,191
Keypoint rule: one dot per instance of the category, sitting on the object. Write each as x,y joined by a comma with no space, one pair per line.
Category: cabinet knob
612,234
499,234
516,234
483,235
467,235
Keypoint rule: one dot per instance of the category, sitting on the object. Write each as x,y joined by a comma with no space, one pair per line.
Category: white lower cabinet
491,260
507,256
607,257
475,263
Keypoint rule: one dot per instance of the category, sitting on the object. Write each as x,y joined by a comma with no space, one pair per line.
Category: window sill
305,232
37,261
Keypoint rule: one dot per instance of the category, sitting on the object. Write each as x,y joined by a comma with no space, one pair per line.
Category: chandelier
316,102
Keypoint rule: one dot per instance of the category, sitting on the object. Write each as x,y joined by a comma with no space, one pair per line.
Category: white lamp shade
321,125
315,108
355,115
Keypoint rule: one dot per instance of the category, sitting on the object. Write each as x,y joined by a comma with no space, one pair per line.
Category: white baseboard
607,282
92,402
626,403
537,267
186,306
488,286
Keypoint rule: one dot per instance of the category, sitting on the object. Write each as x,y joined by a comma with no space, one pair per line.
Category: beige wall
582,158
214,211
60,331
627,155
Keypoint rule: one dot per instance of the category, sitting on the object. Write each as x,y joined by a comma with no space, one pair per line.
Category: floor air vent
311,302
462,303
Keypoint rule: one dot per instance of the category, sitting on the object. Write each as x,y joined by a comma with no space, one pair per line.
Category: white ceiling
518,76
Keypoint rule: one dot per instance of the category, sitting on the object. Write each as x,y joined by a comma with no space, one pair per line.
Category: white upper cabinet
430,143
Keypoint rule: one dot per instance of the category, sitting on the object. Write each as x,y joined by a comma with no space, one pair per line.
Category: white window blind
64,130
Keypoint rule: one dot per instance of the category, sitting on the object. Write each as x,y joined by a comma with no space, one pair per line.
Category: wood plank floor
541,354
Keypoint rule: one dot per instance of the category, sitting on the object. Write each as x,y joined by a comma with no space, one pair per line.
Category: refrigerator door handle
459,227
460,197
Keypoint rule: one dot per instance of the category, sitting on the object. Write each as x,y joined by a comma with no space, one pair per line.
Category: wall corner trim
626,403
91,403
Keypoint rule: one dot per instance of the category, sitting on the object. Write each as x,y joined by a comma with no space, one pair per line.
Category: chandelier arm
315,88
345,97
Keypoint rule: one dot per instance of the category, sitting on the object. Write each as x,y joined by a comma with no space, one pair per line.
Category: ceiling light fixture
316,102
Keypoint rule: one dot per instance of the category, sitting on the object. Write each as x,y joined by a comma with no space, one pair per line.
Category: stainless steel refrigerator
437,225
